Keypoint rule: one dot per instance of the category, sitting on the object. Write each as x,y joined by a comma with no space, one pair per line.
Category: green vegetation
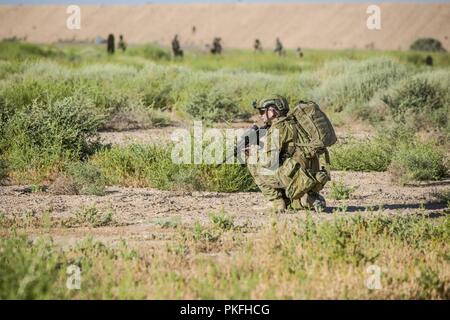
406,158
418,161
222,220
91,216
87,178
422,101
340,191
370,155
3,170
152,166
428,44
294,260
350,85
45,135
55,99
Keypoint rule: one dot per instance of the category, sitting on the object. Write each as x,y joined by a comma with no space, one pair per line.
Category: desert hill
305,25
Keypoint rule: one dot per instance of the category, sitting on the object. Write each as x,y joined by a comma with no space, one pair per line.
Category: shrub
222,220
152,166
427,44
371,155
418,161
168,223
423,100
151,52
48,133
64,185
91,216
88,178
136,116
27,270
204,234
340,191
357,83
3,170
212,106
227,178
15,50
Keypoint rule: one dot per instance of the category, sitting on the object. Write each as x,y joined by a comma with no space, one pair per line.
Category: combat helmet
277,101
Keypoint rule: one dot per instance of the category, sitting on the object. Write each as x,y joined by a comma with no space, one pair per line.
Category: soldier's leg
312,199
300,182
270,188
268,184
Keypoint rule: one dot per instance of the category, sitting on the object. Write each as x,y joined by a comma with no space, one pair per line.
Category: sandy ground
139,212
163,135
324,25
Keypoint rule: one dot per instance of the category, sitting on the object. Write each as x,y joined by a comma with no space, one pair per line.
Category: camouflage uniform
279,47
122,45
176,48
297,179
110,44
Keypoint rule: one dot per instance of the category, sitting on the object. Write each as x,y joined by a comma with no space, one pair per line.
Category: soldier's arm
278,138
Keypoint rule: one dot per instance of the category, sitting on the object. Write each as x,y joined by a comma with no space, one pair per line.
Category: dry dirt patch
140,212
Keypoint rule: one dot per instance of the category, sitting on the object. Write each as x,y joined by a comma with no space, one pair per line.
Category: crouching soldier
288,171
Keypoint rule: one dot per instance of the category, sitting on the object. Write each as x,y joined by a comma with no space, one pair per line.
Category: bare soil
139,213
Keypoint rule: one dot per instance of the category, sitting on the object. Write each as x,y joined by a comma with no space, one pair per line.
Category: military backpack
315,131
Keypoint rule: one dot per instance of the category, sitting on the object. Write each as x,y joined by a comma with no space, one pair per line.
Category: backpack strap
327,162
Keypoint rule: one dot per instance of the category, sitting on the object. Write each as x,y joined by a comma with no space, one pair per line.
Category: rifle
249,138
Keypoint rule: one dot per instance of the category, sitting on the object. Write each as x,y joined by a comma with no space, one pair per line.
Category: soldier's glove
322,177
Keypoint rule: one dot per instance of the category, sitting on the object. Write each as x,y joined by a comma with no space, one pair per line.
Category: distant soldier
279,47
176,48
257,46
194,29
300,52
110,44
216,46
429,61
122,45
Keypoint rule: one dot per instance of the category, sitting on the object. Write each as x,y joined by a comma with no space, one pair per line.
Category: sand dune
305,25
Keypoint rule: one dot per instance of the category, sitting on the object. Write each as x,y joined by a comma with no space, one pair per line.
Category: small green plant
222,221
416,162
92,216
168,223
88,178
213,106
443,196
202,234
340,191
35,188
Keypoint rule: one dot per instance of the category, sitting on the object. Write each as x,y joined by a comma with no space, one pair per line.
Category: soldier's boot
278,205
313,200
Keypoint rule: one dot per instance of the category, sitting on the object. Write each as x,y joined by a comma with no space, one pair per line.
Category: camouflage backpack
316,132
